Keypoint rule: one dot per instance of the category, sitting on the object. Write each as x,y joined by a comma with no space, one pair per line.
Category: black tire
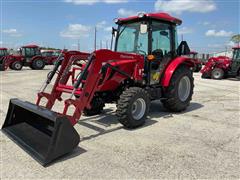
198,68
127,101
173,101
16,66
38,64
97,107
205,76
217,73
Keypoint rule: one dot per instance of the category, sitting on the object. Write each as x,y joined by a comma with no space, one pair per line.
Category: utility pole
182,37
95,38
106,44
78,45
100,44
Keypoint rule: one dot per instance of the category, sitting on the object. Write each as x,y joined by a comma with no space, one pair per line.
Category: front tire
217,73
38,64
133,107
16,66
97,106
180,90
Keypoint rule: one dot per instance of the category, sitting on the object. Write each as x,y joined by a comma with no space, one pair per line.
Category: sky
207,24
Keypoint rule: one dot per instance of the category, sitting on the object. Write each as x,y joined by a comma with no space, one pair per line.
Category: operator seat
158,53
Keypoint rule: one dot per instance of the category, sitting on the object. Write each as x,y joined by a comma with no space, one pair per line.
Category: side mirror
143,28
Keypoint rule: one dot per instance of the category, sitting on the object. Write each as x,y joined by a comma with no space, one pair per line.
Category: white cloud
125,12
1,42
176,6
221,33
185,30
12,32
75,31
109,28
91,2
101,24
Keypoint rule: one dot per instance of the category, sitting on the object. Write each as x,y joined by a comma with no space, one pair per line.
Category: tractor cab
152,35
235,65
30,51
3,52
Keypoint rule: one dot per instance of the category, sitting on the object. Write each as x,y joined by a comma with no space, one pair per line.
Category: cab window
161,38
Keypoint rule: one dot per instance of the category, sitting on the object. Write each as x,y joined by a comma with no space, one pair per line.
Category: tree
236,38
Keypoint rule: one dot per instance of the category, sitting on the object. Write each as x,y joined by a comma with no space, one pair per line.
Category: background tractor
3,53
29,56
146,65
197,62
221,67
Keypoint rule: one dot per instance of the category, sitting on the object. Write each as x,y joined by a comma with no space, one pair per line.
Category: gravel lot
202,142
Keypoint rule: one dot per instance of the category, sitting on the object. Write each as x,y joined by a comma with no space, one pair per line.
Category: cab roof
236,47
3,48
157,16
30,46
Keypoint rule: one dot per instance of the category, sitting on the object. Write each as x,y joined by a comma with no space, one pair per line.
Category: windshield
30,51
131,40
236,54
3,52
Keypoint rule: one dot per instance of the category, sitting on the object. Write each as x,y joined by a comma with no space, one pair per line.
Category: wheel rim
39,63
138,108
184,88
17,66
217,74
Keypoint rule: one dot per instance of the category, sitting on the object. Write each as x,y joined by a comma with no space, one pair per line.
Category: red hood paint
158,16
3,48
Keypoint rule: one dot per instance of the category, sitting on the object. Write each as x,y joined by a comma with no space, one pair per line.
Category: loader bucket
44,134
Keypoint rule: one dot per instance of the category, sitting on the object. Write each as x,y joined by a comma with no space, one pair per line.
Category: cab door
161,48
235,62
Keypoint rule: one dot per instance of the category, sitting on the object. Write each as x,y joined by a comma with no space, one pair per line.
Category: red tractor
198,63
50,56
221,67
3,54
29,56
146,65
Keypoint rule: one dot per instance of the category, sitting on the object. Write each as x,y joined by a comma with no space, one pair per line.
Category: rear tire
180,90
16,66
217,73
38,64
133,107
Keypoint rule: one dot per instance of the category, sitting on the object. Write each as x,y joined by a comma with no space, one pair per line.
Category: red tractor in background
198,63
3,54
31,56
146,65
50,55
222,67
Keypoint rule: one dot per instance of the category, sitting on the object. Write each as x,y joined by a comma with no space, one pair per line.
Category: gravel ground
202,142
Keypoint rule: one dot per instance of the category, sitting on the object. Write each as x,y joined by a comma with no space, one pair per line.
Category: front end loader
145,65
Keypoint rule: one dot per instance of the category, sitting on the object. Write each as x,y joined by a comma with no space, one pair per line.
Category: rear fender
172,66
